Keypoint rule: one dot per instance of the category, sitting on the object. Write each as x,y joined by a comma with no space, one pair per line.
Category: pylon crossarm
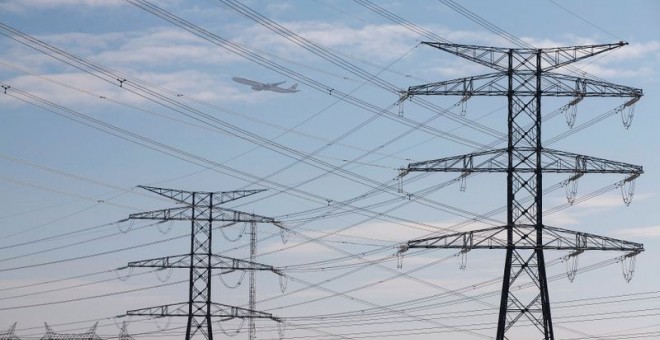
175,309
186,197
563,239
230,263
483,238
176,261
552,161
497,57
185,214
217,262
563,85
491,84
561,56
178,214
492,57
488,161
230,312
228,196
552,85
181,196
553,239
567,162
230,215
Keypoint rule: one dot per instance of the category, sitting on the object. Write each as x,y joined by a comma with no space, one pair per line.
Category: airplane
257,86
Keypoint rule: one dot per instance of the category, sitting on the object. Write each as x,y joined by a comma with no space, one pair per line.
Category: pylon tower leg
524,152
199,303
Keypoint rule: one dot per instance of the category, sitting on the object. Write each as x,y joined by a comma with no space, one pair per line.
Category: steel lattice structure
202,209
524,76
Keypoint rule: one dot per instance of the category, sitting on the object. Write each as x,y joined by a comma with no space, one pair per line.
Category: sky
100,97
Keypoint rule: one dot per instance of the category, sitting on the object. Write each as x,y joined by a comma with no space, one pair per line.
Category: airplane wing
246,81
276,84
291,89
257,86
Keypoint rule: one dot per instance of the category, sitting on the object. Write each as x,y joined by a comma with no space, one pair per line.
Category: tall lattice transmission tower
201,209
524,76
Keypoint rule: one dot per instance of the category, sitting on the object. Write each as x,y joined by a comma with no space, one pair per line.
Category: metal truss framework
89,335
202,209
9,334
524,77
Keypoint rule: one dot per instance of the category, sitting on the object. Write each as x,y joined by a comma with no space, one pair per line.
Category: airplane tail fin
293,87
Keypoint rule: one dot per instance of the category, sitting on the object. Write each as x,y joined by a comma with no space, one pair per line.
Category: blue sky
70,168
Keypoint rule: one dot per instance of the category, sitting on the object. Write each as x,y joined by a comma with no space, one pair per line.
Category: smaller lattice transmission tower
202,209
9,334
524,76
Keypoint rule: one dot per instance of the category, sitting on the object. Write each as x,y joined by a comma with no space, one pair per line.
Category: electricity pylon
252,302
524,76
202,209
9,334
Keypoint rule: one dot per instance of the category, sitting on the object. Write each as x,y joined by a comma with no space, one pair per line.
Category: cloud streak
643,232
22,5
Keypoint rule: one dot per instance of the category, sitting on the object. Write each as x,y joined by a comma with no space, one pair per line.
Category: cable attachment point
284,282
5,88
281,328
468,166
240,234
284,232
570,109
403,95
571,186
128,270
167,323
628,189
571,261
125,225
121,81
628,265
166,230
238,282
627,115
399,255
232,333
463,103
463,258
463,182
167,276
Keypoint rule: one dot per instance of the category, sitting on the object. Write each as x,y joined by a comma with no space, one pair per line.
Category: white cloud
603,71
18,5
164,47
190,84
644,232
635,51
561,218
278,7
372,42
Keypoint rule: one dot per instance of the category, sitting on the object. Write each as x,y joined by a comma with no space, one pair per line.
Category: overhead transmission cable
328,55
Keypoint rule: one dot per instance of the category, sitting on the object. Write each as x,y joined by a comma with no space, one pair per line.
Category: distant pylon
9,334
201,209
524,76
89,335
123,334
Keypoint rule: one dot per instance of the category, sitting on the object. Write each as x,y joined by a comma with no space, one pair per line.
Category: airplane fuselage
257,86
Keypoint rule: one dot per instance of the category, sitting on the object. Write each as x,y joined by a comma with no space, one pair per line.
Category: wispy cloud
19,5
643,232
373,42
